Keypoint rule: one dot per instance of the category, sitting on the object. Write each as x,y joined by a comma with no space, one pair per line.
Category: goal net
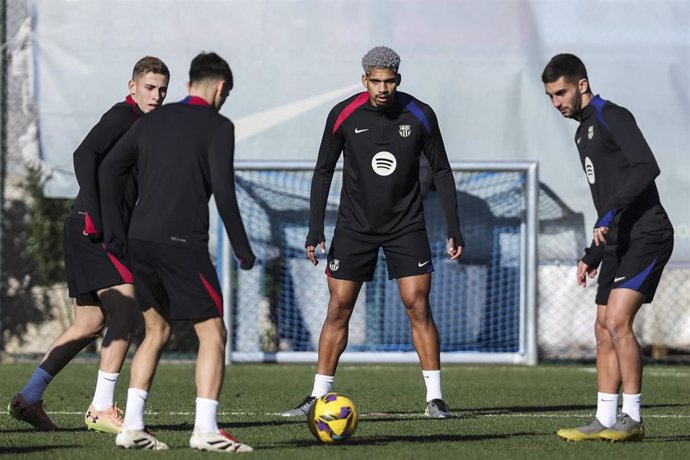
483,303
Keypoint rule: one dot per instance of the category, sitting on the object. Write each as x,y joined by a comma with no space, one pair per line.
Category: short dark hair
564,65
150,64
210,65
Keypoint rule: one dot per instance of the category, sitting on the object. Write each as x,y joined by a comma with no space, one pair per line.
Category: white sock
34,388
206,418
104,396
631,406
432,380
607,405
134,411
322,384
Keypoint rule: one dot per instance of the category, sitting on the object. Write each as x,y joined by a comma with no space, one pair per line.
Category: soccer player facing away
99,281
182,155
382,133
633,240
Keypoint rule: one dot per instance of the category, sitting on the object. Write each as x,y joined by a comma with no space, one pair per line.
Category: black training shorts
353,256
88,266
181,283
635,265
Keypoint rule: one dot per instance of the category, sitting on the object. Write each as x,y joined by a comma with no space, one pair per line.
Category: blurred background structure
476,62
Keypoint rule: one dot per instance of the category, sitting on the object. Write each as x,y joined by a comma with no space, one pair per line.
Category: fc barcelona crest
334,265
405,130
590,133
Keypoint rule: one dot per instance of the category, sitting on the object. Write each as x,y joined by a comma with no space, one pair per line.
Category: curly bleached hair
381,57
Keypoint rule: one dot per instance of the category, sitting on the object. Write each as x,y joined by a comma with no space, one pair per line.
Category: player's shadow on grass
384,440
468,413
414,416
677,438
35,449
230,425
41,433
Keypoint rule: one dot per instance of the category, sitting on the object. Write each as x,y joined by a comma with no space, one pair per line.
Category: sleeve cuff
314,238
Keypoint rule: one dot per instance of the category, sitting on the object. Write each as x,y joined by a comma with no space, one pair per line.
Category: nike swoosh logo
420,264
621,278
251,125
357,131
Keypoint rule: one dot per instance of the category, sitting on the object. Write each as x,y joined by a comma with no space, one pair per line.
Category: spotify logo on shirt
384,163
589,170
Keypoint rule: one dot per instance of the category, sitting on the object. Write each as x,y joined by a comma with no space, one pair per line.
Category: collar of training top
129,100
195,100
595,107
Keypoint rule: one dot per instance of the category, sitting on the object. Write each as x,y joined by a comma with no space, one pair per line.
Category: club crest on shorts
334,264
590,132
405,130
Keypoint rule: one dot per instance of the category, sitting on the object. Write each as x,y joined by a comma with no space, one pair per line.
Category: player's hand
600,235
453,251
311,252
584,270
248,263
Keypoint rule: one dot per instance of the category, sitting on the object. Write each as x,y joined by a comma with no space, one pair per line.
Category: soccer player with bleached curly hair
382,133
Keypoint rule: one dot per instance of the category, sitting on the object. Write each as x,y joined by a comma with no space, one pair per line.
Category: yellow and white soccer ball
332,418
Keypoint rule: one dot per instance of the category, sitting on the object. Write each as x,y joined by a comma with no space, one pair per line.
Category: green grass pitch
505,412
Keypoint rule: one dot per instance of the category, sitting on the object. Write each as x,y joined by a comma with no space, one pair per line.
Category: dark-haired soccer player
382,134
183,154
99,282
633,240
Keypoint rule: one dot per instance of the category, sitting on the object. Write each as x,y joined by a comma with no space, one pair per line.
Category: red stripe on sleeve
351,107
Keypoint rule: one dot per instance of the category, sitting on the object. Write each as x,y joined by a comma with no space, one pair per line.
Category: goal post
483,303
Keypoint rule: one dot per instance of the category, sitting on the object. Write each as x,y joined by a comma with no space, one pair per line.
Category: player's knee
89,329
601,332
617,327
339,309
417,303
125,322
159,331
603,339
222,335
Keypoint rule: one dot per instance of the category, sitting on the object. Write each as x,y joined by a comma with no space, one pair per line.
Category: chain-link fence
566,314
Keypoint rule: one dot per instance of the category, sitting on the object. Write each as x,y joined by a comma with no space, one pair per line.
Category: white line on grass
464,369
649,372
387,415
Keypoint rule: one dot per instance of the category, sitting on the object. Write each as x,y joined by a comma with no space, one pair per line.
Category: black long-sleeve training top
184,152
620,168
87,160
381,149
